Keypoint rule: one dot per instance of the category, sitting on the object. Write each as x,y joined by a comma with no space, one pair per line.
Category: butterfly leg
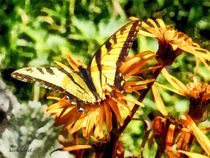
80,108
78,103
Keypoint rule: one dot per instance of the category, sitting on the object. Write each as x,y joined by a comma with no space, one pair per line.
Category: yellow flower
197,93
172,43
115,104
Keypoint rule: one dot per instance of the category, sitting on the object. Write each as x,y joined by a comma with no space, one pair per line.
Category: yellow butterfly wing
62,79
104,66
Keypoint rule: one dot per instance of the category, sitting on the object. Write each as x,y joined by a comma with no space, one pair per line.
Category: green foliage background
35,33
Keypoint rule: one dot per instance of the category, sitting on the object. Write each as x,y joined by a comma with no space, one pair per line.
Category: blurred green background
35,33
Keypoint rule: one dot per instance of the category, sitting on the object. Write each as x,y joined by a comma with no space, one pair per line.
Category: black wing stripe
114,39
108,45
40,70
50,71
27,78
124,52
98,61
89,81
45,84
29,69
70,76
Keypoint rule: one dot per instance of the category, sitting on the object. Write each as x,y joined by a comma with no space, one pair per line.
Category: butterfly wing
102,70
58,79
104,66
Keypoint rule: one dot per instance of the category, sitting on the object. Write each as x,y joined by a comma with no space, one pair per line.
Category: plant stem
111,146
115,137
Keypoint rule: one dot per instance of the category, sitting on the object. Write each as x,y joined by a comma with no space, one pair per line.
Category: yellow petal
98,132
161,23
132,18
79,120
149,68
144,82
195,51
128,64
152,22
174,47
65,117
200,136
123,105
174,82
92,118
170,137
134,88
143,54
108,114
192,155
115,108
132,100
53,98
53,108
146,34
62,65
77,147
74,62
158,101
137,67
155,28
172,90
205,64
196,67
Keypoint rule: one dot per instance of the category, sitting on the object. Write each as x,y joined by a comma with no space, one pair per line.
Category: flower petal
115,109
165,87
108,115
77,147
192,155
158,101
99,123
134,69
92,117
146,34
174,82
200,136
132,100
66,116
161,23
123,105
77,120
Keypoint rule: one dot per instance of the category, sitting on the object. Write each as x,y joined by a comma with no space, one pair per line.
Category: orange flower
172,43
172,133
197,93
92,121
199,135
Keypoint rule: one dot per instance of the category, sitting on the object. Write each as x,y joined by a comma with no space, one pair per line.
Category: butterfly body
91,84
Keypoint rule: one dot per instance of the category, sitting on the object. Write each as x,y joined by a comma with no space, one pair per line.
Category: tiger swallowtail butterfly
88,84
